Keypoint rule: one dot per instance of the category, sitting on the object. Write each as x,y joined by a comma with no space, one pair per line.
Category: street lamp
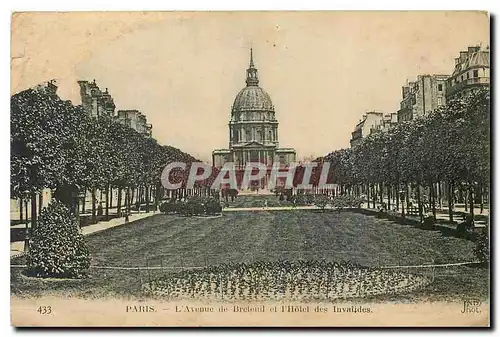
402,197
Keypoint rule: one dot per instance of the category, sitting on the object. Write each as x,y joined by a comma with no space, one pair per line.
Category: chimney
457,60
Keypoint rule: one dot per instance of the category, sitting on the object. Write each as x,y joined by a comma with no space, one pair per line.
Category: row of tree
56,145
427,159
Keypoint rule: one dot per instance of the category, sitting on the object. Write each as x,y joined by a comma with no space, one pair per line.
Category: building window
440,87
440,101
476,73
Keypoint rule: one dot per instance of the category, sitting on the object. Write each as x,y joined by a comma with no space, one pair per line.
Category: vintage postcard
179,169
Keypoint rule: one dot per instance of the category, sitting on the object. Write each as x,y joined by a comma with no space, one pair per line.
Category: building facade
135,120
387,122
253,128
94,101
422,96
472,71
372,121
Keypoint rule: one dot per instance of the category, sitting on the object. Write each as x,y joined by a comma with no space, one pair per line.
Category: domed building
253,128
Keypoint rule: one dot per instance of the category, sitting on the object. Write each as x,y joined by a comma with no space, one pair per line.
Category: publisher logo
471,306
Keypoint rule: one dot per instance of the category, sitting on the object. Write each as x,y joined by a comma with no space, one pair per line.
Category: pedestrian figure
265,204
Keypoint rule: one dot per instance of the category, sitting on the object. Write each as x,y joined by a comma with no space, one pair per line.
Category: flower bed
283,280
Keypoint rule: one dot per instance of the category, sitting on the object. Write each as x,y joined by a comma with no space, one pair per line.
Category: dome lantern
252,76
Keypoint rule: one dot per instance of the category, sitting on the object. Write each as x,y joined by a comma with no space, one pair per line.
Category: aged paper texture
288,169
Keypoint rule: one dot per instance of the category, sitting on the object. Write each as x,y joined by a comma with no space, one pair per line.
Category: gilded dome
252,98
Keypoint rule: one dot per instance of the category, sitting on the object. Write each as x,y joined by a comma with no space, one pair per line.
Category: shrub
57,249
428,222
321,201
212,206
339,202
392,215
193,206
171,206
164,207
482,248
300,199
309,198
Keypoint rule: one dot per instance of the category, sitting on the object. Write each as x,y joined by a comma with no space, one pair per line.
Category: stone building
96,102
388,121
253,128
472,71
372,121
135,120
422,96
49,87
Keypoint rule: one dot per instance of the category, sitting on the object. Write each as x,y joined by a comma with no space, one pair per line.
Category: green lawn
174,241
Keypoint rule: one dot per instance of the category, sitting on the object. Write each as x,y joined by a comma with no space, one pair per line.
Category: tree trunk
110,197
33,210
471,200
119,202
396,191
419,202
389,195
466,201
93,196
21,215
450,201
407,193
433,194
27,238
27,230
368,194
481,198
107,203
147,198
158,194
40,202
374,195
440,197
84,201
76,201
127,199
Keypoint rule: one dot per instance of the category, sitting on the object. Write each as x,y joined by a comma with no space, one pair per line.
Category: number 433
44,310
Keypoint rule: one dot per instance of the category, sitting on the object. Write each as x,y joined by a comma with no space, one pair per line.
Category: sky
323,70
